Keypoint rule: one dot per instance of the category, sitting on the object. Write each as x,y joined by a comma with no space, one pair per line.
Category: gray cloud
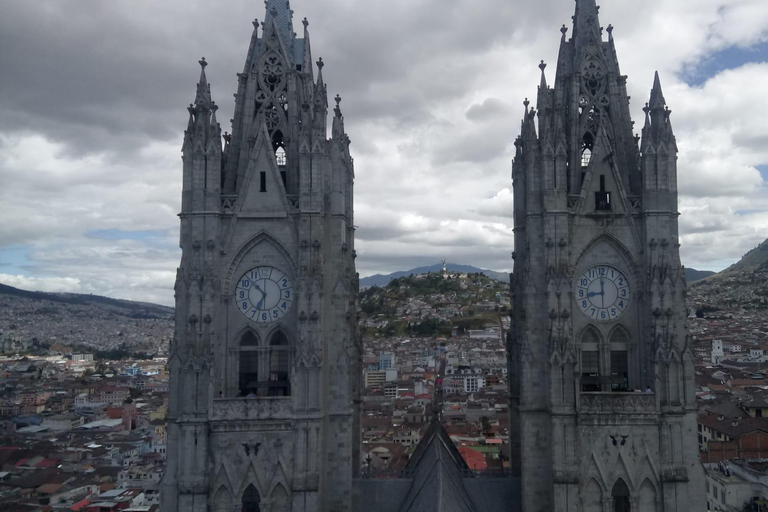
93,96
491,108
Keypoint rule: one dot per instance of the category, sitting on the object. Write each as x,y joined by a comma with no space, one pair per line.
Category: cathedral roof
438,468
440,481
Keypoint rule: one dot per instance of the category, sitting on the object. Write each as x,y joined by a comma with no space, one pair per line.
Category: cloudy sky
93,97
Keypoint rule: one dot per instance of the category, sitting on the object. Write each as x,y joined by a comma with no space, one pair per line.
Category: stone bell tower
265,359
602,405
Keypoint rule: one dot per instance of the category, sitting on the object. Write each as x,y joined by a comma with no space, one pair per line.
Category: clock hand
263,296
602,290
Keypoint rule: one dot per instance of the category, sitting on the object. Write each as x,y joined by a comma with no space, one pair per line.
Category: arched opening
222,500
592,497
587,146
279,501
251,500
249,365
280,156
590,361
281,163
620,495
619,360
279,365
647,496
278,144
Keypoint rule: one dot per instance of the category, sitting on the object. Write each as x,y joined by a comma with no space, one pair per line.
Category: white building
732,487
717,351
473,383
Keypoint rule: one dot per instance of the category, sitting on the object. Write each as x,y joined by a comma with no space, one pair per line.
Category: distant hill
754,259
141,309
383,280
741,287
692,275
71,322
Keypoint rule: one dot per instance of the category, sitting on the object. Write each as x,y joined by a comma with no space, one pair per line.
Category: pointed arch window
279,365
619,360
251,500
249,365
590,361
620,496
280,156
587,146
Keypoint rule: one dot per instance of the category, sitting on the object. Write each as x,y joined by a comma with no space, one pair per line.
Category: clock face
602,293
264,294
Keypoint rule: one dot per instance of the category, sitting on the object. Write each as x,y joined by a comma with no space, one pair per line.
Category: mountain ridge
691,274
384,279
85,299
756,258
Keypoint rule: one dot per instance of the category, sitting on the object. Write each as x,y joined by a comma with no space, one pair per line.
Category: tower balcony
255,408
617,404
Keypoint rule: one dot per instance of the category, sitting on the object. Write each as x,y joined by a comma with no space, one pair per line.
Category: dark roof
37,478
438,468
732,427
436,479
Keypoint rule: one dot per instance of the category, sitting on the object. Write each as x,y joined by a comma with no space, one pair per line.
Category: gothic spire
543,102
203,96
338,120
307,65
320,83
657,126
279,12
586,21
657,96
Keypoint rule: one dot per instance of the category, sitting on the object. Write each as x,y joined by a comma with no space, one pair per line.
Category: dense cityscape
87,433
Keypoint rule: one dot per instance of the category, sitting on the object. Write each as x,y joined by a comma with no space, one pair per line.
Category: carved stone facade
265,362
602,403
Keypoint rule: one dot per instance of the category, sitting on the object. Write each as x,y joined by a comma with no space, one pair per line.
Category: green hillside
433,305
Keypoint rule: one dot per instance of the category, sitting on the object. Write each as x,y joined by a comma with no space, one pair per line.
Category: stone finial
202,63
526,103
255,23
305,22
563,29
320,63
542,65
338,100
609,29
